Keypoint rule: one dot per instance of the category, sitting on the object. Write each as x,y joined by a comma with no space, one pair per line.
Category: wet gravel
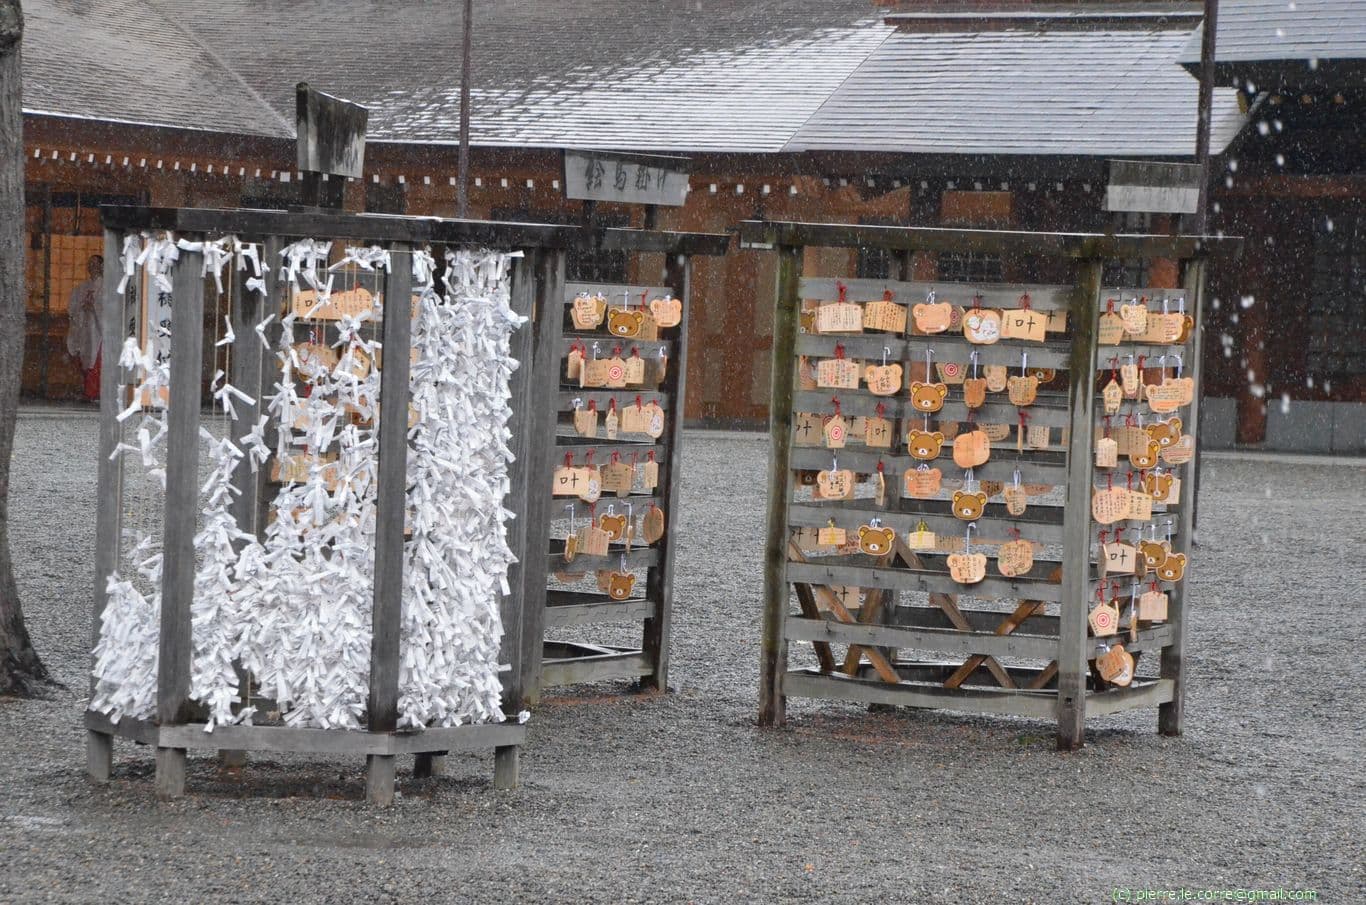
631,798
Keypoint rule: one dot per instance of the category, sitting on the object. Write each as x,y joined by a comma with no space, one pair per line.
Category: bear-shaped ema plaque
620,584
928,397
924,445
875,541
968,506
625,322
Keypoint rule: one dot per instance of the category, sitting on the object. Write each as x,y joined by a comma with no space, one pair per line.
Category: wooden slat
385,228
838,687
391,499
182,489
920,580
288,739
522,480
595,668
773,643
994,295
659,582
109,468
1139,696
560,509
250,371
859,402
764,234
994,524
1170,714
947,347
976,620
638,558
1072,664
606,343
1034,647
565,399
579,449
866,346
807,600
1006,628
144,732
541,508
1038,467
562,615
613,291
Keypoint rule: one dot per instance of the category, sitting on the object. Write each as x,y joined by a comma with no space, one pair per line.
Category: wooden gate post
773,656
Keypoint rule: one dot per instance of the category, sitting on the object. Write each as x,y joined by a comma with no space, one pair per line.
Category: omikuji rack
561,603
178,724
1008,645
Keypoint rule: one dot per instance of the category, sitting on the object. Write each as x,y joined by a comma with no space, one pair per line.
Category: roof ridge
797,130
189,33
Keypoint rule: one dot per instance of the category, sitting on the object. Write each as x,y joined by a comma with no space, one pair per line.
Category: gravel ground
630,798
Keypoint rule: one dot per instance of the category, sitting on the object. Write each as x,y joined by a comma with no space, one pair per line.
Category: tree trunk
20,669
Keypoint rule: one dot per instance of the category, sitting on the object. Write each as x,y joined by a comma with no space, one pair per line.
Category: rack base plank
380,748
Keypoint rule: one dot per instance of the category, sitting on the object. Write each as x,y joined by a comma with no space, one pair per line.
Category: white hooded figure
86,328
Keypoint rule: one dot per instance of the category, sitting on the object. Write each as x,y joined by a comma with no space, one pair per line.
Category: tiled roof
743,76
1021,91
1264,30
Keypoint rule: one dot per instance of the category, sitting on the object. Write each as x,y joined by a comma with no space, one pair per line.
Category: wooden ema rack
1016,645
565,602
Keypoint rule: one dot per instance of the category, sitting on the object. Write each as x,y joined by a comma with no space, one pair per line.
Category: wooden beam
771,234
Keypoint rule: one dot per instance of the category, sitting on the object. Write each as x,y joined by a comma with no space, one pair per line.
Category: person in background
86,329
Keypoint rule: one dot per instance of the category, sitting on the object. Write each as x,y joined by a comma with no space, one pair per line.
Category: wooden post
390,505
182,507
660,579
506,766
522,400
773,657
1076,531
540,466
1170,714
99,753
249,374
